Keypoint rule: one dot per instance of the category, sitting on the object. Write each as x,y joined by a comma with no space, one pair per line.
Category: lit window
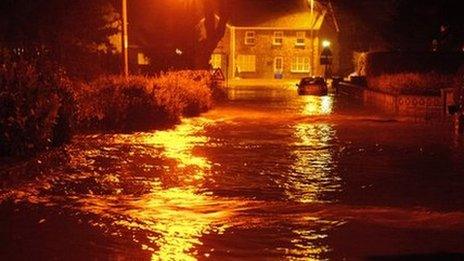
300,38
142,59
250,37
246,63
300,65
278,38
216,61
278,64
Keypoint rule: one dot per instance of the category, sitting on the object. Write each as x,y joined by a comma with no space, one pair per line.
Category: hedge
40,107
116,103
380,63
411,83
36,105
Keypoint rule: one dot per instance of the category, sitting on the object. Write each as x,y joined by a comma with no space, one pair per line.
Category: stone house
278,41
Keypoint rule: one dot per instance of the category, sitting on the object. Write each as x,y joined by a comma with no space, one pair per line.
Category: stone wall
382,101
414,106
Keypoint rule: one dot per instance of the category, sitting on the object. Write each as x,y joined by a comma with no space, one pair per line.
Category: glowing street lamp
326,44
326,57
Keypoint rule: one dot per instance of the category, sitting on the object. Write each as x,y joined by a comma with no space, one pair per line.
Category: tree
217,14
73,33
415,24
168,31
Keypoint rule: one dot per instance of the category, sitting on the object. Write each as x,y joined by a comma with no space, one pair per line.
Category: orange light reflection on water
178,144
317,106
179,216
312,173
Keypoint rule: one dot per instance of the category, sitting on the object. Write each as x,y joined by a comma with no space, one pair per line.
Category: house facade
277,44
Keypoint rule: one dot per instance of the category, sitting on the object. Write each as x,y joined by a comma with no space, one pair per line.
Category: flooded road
268,175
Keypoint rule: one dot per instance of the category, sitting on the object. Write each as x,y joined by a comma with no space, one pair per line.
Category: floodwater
268,175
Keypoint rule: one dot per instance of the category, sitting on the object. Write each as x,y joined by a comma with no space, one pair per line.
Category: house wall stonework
266,51
233,44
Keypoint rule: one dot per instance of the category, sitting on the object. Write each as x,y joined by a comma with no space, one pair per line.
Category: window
250,37
278,64
246,63
300,65
142,59
216,61
278,38
300,39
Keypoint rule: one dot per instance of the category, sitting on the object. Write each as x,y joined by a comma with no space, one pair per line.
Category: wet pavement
268,175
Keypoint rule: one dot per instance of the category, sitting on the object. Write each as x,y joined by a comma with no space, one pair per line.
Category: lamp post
125,40
311,6
326,58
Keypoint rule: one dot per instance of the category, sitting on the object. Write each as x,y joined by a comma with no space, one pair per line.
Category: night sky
398,23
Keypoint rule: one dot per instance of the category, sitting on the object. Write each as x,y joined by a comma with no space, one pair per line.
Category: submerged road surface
267,176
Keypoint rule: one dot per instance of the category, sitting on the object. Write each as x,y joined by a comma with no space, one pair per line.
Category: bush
39,107
379,63
184,92
116,103
36,105
411,83
138,103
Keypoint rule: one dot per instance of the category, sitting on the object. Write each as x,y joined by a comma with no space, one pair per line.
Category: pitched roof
278,14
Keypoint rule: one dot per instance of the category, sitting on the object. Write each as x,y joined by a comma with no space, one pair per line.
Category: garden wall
413,106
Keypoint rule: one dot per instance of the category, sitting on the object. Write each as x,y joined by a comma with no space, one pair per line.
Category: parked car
312,86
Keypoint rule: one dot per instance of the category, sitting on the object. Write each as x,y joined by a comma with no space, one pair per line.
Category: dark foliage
411,83
138,103
74,33
415,24
379,63
36,104
178,25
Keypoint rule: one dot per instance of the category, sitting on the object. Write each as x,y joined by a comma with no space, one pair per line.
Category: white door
278,64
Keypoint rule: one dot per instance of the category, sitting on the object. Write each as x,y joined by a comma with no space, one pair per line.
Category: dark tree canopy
72,32
162,27
183,34
416,23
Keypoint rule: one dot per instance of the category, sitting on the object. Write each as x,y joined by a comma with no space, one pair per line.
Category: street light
326,43
326,57
124,39
311,6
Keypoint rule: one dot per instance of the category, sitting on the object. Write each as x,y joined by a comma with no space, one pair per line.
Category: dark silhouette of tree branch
217,14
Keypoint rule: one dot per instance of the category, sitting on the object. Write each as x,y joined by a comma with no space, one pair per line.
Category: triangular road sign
218,75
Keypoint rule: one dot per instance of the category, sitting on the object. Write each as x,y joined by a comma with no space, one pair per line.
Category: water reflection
317,106
312,150
313,163
178,144
312,174
178,216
